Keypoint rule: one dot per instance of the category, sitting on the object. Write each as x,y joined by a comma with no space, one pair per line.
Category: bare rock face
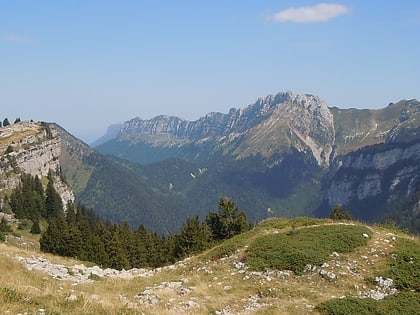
270,125
33,148
387,169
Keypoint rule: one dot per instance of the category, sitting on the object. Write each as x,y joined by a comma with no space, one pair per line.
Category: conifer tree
35,229
53,203
117,257
194,237
140,236
337,213
228,222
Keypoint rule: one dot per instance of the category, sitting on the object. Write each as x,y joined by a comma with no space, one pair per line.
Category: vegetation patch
299,247
405,265
229,247
404,269
403,303
10,295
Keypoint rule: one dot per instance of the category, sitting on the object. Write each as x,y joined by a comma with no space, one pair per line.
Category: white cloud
312,14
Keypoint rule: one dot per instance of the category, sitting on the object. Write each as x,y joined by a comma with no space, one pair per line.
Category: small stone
71,298
328,275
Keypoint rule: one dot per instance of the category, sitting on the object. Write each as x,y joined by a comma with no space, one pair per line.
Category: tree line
79,232
7,123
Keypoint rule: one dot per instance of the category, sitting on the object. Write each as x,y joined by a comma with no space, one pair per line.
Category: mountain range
284,155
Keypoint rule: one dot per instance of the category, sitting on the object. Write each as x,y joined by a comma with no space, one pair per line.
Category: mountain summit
286,154
273,124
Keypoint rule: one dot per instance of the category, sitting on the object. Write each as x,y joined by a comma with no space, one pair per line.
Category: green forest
77,231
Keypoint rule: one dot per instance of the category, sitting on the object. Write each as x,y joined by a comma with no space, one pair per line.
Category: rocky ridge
290,119
33,148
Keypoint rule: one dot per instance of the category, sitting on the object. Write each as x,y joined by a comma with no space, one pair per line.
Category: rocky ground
228,286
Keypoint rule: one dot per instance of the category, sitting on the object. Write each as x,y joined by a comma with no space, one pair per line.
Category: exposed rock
386,172
148,298
300,119
36,150
384,287
71,298
328,275
81,273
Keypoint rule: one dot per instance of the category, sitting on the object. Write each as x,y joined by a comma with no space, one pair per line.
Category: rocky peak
306,116
287,120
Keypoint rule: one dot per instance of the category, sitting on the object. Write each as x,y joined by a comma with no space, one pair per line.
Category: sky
89,64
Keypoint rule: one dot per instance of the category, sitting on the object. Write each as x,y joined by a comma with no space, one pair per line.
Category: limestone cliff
33,148
376,166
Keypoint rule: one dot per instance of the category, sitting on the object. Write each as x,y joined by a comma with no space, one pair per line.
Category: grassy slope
210,281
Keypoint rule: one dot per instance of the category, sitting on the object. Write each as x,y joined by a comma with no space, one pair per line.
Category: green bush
312,245
403,303
228,247
305,221
24,224
405,265
94,277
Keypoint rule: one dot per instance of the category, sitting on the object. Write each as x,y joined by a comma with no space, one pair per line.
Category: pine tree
53,203
4,225
35,229
117,257
228,222
141,236
194,237
337,213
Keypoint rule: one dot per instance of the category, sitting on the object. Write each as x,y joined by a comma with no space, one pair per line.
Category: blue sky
89,64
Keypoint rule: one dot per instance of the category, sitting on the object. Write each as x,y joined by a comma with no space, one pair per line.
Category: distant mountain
270,126
286,154
111,133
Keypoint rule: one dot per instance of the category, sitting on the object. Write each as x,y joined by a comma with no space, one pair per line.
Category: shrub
403,303
405,265
9,149
313,245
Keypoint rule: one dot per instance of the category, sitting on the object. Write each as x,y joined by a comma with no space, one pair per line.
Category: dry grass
16,136
201,287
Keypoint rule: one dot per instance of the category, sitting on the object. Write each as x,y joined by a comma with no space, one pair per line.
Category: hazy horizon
88,65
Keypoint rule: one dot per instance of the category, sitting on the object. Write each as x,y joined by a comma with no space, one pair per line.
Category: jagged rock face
270,125
303,122
386,171
367,155
382,164
36,150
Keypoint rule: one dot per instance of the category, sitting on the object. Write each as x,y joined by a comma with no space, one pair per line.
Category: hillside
334,263
284,155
